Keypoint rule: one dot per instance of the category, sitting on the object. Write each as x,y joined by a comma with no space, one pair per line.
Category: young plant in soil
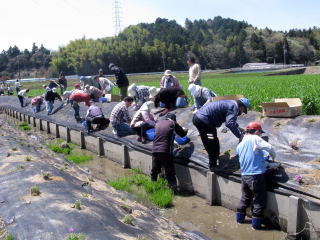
126,208
9,236
14,149
128,220
77,205
35,190
46,175
75,236
27,159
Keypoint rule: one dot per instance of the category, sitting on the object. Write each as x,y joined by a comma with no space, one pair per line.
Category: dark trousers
160,159
101,121
253,189
141,131
21,100
209,139
76,108
123,92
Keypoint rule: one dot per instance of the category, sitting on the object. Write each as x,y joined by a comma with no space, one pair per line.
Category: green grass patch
75,236
158,193
55,146
9,236
24,126
78,158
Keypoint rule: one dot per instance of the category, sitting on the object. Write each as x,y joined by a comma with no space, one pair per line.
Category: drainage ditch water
189,211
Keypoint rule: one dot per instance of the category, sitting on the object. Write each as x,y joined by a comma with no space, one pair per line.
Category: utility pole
116,17
163,62
284,52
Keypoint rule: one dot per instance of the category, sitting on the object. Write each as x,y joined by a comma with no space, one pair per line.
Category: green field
255,86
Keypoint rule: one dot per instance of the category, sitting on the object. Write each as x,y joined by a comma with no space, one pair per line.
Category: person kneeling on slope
162,150
95,116
253,167
211,116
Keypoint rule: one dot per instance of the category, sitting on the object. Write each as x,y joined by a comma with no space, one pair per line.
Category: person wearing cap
211,116
200,94
94,93
100,73
171,98
95,116
49,97
162,148
253,167
120,118
141,94
168,80
143,120
10,90
36,103
121,79
21,95
62,81
77,97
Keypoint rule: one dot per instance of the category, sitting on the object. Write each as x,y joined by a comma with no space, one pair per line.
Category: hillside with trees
218,43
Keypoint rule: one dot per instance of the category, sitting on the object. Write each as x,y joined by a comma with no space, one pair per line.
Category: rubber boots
240,217
256,223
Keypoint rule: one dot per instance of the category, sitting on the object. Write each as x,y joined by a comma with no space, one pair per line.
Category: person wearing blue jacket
211,116
251,151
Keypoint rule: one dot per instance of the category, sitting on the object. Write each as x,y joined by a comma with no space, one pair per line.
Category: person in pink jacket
143,120
168,80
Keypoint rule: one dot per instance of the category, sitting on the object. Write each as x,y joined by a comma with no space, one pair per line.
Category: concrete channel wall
292,214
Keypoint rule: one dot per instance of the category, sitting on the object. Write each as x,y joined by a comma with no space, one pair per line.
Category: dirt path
51,215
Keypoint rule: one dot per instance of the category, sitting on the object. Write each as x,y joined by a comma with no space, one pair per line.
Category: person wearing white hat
168,80
143,120
141,94
200,94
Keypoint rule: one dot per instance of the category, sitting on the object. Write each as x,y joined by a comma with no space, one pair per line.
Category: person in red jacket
77,97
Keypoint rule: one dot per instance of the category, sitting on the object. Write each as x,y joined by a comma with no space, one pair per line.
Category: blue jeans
36,108
49,106
181,102
123,130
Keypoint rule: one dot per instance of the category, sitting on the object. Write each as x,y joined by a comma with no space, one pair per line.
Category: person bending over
95,116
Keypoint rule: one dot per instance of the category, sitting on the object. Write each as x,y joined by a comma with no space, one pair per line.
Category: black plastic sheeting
296,141
50,216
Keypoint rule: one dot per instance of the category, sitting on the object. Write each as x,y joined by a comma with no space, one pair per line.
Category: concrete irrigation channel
292,207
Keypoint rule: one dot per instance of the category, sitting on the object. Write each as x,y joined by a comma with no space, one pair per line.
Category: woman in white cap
143,120
141,94
168,80
200,94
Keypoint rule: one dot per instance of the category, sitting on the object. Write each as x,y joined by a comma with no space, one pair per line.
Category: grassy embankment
255,86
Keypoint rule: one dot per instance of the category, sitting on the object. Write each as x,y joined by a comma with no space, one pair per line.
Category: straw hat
168,73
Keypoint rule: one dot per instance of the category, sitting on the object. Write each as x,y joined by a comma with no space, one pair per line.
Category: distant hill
217,43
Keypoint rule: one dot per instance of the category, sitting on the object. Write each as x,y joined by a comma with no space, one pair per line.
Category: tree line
217,43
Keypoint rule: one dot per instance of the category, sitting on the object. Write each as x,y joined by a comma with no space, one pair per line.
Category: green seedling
85,195
126,208
91,179
77,205
142,237
35,190
27,159
46,175
75,236
128,220
9,236
14,149
312,120
21,167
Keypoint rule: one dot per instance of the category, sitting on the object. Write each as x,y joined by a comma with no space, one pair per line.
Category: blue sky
56,22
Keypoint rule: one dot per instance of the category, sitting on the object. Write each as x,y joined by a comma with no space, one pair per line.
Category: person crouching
36,103
49,97
162,150
95,116
143,120
253,168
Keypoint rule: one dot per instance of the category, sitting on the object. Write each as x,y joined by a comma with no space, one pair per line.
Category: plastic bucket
84,124
103,99
150,134
181,140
